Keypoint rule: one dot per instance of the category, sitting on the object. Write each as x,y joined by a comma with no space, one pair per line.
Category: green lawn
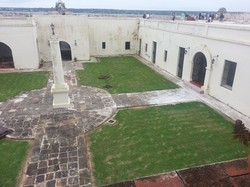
12,156
160,139
126,74
14,83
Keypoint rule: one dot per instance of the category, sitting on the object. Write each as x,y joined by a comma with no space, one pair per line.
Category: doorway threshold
195,87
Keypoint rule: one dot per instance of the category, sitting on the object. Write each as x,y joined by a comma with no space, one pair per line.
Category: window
146,47
165,56
228,74
127,45
104,45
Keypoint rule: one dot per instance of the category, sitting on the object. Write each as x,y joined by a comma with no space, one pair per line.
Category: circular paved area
59,154
27,112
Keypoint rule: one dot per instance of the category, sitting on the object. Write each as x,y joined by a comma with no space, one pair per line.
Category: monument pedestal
60,96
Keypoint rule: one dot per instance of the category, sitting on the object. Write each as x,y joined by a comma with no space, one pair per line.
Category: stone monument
60,88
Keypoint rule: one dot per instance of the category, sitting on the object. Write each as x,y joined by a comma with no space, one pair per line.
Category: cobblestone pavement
59,154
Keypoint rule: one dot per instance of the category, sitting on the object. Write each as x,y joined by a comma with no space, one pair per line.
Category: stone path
59,153
162,97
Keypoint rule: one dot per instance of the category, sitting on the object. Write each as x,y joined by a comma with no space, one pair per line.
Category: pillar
60,89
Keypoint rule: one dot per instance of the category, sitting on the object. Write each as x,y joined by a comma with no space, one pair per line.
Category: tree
241,133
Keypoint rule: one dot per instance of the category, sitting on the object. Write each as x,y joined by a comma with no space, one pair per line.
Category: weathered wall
114,32
20,35
230,42
72,29
85,36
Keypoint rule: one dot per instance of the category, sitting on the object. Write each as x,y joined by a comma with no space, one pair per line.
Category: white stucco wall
238,97
27,36
229,42
114,32
20,35
72,29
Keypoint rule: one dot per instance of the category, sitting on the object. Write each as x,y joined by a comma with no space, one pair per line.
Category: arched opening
199,69
6,58
65,51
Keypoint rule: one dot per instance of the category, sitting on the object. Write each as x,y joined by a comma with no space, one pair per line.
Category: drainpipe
138,36
209,78
213,60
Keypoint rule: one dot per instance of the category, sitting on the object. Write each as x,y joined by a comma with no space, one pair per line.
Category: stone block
32,169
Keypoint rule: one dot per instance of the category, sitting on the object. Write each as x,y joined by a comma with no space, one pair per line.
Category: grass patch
12,157
14,83
125,75
161,139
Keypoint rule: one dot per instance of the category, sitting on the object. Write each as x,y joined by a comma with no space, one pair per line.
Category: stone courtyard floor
59,157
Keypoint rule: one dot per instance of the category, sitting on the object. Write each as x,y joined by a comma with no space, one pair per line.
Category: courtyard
62,138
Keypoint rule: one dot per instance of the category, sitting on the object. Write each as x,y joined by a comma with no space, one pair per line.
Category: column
60,89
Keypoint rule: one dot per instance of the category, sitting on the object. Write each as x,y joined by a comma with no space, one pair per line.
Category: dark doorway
65,51
181,61
199,69
139,52
6,58
154,52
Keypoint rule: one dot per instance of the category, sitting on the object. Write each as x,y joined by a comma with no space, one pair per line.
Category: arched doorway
199,69
6,58
65,51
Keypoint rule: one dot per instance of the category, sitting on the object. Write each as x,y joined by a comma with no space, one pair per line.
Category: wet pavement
59,155
228,174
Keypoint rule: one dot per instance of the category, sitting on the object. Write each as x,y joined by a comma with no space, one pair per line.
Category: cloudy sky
196,5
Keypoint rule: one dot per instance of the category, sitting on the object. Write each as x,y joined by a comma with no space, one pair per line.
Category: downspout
213,60
209,78
138,36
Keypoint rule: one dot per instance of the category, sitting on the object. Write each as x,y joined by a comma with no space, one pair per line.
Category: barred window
104,45
127,45
228,74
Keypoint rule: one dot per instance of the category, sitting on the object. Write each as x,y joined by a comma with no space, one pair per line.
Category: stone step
194,87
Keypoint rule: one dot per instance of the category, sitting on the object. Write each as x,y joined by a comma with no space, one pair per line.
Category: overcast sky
195,5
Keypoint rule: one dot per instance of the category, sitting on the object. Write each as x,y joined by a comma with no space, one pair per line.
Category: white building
213,57
18,43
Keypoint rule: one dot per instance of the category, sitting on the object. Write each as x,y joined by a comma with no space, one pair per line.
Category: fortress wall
231,42
20,35
228,41
86,34
72,29
114,31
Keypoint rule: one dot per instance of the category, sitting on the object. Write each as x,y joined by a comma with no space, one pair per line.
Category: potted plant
241,133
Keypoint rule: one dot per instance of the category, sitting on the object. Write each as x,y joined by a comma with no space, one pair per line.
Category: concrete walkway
161,97
210,101
59,153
